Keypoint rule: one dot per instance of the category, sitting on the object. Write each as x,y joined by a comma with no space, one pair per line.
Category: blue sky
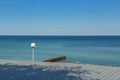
59,17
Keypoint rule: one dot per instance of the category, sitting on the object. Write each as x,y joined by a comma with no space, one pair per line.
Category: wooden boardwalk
102,72
27,70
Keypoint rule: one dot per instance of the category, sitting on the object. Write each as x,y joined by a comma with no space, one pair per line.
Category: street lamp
33,46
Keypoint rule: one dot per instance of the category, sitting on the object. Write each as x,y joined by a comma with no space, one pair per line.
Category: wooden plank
55,59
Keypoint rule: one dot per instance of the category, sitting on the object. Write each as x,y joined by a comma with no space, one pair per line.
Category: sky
59,17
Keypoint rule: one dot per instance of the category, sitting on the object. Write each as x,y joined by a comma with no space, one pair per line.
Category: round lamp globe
33,45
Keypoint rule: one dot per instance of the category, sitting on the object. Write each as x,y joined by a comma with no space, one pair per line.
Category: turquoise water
101,50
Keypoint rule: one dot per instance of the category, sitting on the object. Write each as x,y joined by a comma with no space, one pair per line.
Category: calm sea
101,50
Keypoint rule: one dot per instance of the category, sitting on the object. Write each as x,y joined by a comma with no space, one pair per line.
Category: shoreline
27,62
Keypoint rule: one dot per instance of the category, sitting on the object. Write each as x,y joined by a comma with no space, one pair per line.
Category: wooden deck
59,71
97,72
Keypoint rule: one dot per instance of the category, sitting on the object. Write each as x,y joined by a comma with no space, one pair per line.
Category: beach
28,70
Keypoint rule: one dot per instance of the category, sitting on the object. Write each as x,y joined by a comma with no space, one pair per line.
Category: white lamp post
33,46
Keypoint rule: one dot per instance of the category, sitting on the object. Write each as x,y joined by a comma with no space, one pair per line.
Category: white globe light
32,45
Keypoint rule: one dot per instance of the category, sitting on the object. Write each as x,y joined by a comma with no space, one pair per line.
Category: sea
98,50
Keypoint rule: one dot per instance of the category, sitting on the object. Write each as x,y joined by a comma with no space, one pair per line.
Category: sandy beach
28,70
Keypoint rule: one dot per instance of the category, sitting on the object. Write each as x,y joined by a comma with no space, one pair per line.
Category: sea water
100,50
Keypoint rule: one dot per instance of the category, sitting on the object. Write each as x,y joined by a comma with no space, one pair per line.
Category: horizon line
50,35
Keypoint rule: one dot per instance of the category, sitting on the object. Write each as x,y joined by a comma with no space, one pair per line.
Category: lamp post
33,46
